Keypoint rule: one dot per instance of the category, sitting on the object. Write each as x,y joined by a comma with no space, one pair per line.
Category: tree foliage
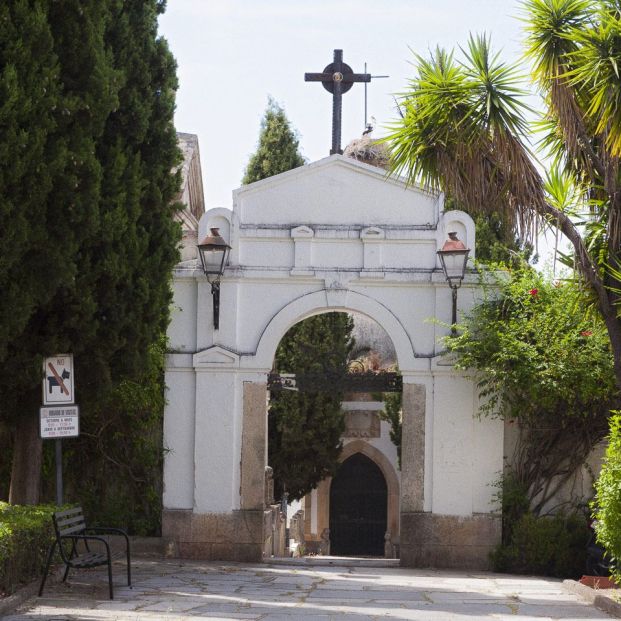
87,212
465,130
32,155
305,427
537,350
115,467
393,415
543,364
277,149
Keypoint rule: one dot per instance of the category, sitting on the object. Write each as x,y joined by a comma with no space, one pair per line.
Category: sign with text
58,379
59,422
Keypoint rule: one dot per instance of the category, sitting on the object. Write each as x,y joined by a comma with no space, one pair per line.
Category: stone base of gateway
448,541
236,536
427,540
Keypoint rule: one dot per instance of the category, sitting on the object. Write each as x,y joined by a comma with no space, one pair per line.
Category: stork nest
369,151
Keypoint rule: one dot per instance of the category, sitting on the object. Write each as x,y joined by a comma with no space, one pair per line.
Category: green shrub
25,537
607,503
547,546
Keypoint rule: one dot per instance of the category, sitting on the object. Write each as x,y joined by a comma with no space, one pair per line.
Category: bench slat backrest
69,522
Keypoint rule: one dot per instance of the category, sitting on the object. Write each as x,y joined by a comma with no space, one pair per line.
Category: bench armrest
105,530
84,538
75,538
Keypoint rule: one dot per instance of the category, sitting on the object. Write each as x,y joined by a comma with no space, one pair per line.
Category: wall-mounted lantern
454,258
214,253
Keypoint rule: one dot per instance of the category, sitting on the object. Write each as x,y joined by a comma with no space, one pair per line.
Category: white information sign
59,422
58,380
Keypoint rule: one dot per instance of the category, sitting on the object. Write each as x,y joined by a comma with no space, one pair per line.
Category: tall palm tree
464,130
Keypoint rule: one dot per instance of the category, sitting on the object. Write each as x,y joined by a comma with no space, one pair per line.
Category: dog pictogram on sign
58,381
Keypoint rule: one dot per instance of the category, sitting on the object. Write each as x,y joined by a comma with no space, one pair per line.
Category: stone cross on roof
337,78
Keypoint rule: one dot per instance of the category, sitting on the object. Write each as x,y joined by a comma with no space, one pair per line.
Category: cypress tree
68,212
101,234
277,149
131,262
30,94
29,160
130,259
305,428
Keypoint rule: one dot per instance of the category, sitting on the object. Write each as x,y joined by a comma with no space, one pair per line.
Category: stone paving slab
171,590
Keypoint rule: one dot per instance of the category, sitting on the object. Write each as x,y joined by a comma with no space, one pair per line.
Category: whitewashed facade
335,235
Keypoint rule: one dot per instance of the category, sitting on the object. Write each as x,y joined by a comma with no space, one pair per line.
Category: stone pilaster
413,448
253,448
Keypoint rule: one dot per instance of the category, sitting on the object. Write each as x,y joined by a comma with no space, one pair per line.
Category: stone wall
448,541
235,536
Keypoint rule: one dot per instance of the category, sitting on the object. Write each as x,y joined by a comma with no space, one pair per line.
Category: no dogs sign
58,380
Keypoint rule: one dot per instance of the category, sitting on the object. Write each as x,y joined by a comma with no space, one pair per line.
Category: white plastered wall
331,236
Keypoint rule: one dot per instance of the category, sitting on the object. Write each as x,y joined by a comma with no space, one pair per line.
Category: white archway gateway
335,235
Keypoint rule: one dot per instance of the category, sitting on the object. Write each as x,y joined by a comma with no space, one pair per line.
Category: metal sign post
59,472
59,417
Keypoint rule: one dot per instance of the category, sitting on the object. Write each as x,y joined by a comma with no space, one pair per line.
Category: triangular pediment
336,190
314,168
215,357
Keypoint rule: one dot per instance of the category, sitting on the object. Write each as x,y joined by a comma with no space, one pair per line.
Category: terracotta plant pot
598,582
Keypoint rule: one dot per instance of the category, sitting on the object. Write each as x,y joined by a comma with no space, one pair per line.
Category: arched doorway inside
358,508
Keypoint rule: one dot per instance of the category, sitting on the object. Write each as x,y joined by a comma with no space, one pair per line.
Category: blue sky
232,54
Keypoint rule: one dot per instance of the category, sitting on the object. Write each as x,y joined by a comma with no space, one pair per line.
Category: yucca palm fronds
550,25
463,131
553,27
496,96
565,193
596,71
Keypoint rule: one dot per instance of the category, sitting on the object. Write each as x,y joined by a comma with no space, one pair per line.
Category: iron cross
337,78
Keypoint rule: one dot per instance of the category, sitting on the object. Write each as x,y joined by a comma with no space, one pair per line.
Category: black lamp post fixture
214,252
454,258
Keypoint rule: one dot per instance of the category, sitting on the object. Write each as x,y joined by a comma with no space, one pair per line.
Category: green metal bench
75,540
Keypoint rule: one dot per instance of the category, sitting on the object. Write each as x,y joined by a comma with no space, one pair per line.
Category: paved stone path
174,590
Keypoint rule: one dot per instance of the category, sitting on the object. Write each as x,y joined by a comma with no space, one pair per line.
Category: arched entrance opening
358,508
319,415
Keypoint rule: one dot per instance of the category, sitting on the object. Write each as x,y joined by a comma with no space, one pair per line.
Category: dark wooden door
358,508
